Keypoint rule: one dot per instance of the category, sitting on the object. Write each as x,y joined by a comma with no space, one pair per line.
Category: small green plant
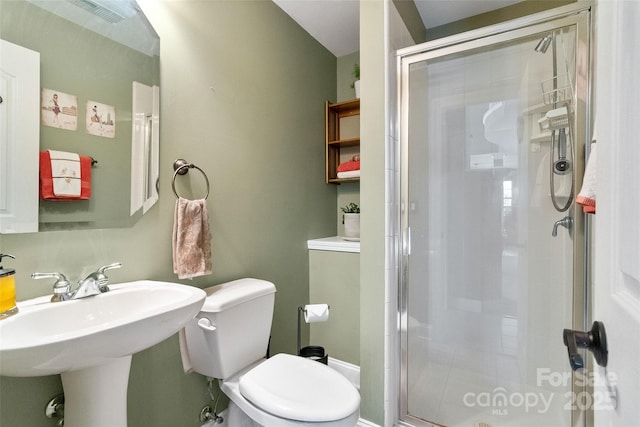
355,73
351,208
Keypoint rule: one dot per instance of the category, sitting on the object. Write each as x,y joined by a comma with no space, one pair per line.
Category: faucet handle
102,278
61,288
104,268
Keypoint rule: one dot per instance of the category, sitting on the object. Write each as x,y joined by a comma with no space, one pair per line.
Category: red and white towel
64,176
350,169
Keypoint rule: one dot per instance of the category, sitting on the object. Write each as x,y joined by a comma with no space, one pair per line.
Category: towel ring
181,167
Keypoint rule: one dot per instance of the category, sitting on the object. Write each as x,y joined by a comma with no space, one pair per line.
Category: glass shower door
488,269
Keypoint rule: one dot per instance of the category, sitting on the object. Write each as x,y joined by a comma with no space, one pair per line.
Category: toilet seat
299,389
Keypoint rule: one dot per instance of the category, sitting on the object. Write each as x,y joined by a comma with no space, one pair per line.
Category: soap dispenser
7,290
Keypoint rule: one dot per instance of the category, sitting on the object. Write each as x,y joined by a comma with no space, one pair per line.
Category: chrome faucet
94,284
566,222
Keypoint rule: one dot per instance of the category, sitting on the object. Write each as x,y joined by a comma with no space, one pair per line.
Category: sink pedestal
97,396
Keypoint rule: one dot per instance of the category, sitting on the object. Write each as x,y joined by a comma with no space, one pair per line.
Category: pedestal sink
90,342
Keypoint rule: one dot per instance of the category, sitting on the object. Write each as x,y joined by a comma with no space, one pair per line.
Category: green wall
243,90
344,76
334,279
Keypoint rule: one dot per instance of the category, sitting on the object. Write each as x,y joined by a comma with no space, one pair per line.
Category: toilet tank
232,330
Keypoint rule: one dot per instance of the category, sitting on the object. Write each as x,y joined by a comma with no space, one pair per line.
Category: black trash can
314,352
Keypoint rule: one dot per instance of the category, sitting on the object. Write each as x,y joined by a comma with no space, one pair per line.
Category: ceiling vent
102,10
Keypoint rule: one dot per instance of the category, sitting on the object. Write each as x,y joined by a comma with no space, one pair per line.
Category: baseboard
365,423
349,370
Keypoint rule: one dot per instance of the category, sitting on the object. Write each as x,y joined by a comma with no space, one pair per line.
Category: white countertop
334,243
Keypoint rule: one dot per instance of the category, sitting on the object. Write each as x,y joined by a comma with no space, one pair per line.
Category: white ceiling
336,23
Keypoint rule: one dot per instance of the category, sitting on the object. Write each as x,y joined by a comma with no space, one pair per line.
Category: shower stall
493,130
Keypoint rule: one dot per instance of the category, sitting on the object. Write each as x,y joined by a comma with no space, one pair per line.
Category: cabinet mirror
98,97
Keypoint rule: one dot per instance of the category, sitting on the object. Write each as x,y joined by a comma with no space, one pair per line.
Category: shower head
554,119
544,43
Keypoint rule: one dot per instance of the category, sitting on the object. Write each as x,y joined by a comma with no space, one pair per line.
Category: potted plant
351,221
356,83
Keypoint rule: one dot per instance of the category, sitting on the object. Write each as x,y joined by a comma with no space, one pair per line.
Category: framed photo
59,109
101,119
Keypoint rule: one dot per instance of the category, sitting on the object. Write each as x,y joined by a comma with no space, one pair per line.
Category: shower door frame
579,14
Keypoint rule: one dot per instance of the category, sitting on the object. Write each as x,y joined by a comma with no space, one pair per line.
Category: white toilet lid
299,389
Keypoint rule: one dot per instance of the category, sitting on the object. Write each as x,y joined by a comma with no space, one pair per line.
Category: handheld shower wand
557,121
562,165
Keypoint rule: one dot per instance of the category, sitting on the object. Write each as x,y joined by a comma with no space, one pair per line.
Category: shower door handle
407,241
595,340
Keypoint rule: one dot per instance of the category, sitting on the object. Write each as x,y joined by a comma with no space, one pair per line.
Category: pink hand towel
191,239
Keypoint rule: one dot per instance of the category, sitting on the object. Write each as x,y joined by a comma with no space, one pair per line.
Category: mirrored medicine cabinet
99,56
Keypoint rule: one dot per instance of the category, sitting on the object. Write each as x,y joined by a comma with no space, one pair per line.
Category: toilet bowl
228,340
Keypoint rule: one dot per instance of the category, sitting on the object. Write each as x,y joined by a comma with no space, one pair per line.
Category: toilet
228,340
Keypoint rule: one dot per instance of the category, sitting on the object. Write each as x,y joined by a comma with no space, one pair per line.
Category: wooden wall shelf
341,134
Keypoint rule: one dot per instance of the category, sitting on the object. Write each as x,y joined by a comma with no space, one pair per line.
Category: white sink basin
47,338
81,339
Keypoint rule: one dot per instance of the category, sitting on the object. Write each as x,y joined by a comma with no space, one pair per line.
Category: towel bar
181,167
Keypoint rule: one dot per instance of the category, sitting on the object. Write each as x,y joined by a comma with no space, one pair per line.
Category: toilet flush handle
206,325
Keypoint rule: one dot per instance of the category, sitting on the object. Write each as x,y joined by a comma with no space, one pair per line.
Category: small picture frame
59,109
101,119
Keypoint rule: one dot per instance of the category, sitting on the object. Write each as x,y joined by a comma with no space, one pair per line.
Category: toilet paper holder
313,352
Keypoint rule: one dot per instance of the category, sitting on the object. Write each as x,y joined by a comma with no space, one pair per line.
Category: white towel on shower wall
587,195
